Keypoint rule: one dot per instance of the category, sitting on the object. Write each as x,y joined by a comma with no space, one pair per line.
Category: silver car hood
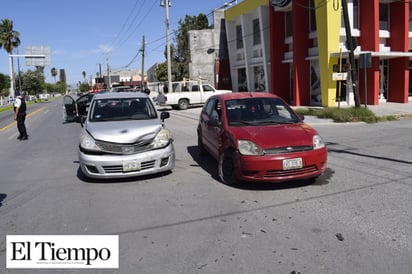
124,132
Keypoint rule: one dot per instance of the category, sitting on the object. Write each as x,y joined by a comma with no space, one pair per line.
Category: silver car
123,136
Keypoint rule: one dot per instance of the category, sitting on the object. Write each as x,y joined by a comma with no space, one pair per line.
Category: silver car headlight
87,142
318,142
249,148
162,139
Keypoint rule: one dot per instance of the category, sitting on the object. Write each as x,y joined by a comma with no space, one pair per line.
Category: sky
83,34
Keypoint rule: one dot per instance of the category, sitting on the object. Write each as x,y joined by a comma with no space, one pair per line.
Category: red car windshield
258,111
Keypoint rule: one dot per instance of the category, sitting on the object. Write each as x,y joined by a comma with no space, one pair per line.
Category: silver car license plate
294,163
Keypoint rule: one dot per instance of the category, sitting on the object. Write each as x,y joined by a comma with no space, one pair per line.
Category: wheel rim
183,104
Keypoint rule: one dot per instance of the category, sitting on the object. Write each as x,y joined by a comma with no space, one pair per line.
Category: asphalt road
356,218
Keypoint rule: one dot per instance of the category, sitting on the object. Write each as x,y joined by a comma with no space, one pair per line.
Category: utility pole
350,45
108,73
142,50
166,4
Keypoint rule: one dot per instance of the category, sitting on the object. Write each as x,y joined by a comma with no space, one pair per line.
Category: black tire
183,104
227,168
200,146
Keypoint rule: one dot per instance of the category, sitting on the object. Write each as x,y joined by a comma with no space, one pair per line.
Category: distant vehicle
256,136
130,89
124,136
187,93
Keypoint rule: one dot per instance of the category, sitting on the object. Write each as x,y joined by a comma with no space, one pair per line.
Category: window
383,16
312,16
260,84
256,32
239,37
410,19
356,14
288,24
241,79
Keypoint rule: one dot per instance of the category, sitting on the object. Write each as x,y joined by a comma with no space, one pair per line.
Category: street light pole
11,76
12,91
166,4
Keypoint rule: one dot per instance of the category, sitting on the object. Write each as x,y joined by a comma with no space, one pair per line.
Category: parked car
187,93
124,136
256,136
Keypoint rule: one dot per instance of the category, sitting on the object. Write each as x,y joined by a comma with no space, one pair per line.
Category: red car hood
272,136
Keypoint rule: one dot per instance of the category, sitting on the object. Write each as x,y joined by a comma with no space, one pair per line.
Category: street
356,218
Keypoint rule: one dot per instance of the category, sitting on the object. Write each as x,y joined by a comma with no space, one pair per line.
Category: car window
209,106
258,111
207,88
117,109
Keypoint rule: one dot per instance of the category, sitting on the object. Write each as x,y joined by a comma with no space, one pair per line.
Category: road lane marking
14,122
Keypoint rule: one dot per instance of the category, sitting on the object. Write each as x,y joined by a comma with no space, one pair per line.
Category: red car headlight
249,148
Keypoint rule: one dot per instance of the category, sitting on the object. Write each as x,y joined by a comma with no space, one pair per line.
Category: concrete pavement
387,108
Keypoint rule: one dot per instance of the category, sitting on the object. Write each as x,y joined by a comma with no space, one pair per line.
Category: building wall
250,69
207,52
293,62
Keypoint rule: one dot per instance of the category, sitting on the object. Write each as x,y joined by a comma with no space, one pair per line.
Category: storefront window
315,95
260,83
241,79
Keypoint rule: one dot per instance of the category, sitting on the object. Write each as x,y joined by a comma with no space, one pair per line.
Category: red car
256,136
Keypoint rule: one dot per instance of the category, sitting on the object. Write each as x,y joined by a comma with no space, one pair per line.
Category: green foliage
4,85
83,87
343,115
33,82
9,38
59,87
53,73
161,72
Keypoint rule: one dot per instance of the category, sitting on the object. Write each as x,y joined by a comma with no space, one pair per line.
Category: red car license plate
294,163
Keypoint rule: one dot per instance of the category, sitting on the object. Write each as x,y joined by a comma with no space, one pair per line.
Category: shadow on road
135,179
2,197
208,164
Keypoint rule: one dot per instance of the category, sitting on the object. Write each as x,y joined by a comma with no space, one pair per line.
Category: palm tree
54,73
84,76
9,40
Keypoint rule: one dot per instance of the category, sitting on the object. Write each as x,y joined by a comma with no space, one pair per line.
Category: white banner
62,251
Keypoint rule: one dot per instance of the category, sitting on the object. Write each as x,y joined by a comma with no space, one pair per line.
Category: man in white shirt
20,117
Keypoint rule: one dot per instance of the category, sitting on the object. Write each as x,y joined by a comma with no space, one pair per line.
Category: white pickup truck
187,93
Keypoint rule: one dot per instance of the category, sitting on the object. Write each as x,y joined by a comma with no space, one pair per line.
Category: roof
120,95
244,95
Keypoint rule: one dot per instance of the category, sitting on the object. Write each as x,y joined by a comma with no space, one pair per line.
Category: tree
9,38
33,82
83,87
181,56
4,84
84,76
53,73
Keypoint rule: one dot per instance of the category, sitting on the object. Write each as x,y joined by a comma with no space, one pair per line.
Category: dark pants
21,117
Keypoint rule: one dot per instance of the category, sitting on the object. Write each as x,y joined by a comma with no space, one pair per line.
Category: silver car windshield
258,111
119,109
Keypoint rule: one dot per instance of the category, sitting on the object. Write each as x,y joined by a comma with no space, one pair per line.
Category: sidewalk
383,109
387,108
